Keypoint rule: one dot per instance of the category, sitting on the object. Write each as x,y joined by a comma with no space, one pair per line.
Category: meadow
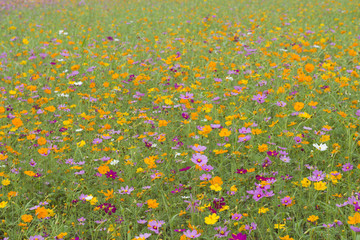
179,119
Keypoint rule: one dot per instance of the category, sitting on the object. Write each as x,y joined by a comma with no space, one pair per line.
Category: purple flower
347,167
221,232
241,171
317,176
145,235
297,139
358,113
199,159
238,236
251,227
126,190
205,177
184,169
111,174
192,234
155,225
97,141
286,201
355,229
36,237
236,217
260,98
207,168
192,204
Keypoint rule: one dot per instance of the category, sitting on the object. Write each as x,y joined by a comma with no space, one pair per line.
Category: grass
179,119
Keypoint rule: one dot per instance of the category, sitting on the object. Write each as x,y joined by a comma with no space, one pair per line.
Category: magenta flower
111,174
238,236
241,171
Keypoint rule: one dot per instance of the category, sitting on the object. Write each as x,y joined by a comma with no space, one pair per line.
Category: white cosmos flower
114,162
321,147
78,130
89,197
78,83
229,78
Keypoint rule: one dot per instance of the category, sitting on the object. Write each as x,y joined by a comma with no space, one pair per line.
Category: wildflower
192,234
347,167
251,227
238,236
27,218
36,237
212,219
286,201
312,218
305,182
155,225
236,216
199,159
192,204
152,203
321,147
111,174
298,106
3,204
320,186
221,232
126,190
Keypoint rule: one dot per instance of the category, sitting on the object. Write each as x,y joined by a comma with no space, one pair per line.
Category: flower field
179,119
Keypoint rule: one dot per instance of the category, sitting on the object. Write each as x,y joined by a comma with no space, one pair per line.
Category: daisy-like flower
199,159
192,234
321,147
126,190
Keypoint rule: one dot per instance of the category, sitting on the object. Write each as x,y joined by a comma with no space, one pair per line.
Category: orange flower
30,173
355,219
152,203
263,148
27,218
298,106
41,212
224,132
103,169
309,67
50,109
41,141
216,180
17,122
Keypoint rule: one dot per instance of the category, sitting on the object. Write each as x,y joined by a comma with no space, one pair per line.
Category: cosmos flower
321,147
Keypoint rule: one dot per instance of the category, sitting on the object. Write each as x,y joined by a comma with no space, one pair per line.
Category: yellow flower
233,188
305,182
216,187
313,218
25,41
287,237
81,143
263,210
279,226
5,182
320,185
3,204
211,219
